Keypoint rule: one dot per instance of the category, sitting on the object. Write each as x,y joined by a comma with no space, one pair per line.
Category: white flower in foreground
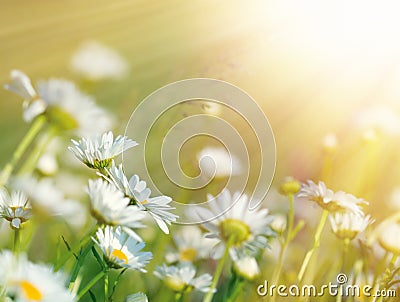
99,151
158,207
244,265
191,245
138,297
21,84
218,160
14,208
389,237
329,200
182,277
120,250
27,282
48,199
347,225
96,61
109,206
230,220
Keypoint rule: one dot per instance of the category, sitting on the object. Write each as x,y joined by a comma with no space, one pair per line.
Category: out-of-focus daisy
28,282
14,208
96,61
99,151
329,142
47,199
21,84
379,118
138,297
329,200
389,237
230,220
135,189
71,109
63,103
121,250
279,223
346,225
289,186
191,245
110,206
181,277
244,265
219,161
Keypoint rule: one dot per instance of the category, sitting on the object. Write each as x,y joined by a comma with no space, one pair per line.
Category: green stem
37,125
179,297
90,284
106,279
17,241
237,289
79,263
218,271
317,239
30,163
289,237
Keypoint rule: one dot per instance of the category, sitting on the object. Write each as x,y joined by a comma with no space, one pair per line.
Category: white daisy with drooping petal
15,208
346,225
182,277
99,151
191,245
49,200
110,206
96,61
28,282
244,265
158,207
329,200
21,84
121,250
230,220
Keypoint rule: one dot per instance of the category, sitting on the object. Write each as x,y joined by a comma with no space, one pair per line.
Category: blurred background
326,74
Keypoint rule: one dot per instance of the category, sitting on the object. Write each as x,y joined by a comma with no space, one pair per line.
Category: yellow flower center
99,163
188,254
30,291
235,230
175,284
119,255
58,116
144,201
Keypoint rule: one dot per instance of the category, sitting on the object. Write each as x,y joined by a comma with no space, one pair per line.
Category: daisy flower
120,250
219,161
14,208
135,189
99,151
21,84
49,200
244,265
96,61
389,237
109,206
191,246
348,224
62,102
329,200
182,277
26,282
230,220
